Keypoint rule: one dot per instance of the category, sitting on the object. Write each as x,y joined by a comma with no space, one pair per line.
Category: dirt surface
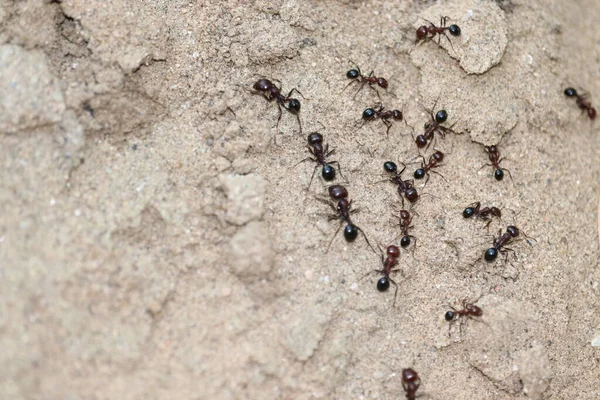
157,240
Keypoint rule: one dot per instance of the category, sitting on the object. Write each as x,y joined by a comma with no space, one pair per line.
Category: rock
250,251
245,197
30,95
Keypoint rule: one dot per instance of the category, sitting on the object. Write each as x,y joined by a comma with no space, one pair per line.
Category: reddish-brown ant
272,92
494,156
426,33
410,383
582,101
342,208
500,243
468,310
404,221
434,161
371,114
358,77
319,154
485,213
405,187
434,126
389,262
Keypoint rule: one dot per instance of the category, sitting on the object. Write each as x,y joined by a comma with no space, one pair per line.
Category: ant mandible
405,187
494,156
358,77
371,114
582,101
404,221
410,383
426,33
434,161
342,210
389,262
320,153
434,126
485,213
271,92
468,310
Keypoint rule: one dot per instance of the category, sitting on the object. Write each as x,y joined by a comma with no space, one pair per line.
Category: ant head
390,167
393,251
369,113
421,141
314,138
405,241
337,192
404,214
570,92
438,156
411,194
383,284
591,112
409,375
454,30
499,174
512,230
294,106
420,173
350,231
262,85
490,254
441,116
496,212
397,115
353,74
328,172
468,212
382,82
449,315
422,32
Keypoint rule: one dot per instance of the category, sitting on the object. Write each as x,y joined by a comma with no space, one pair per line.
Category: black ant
272,92
320,153
582,101
485,213
404,221
426,33
499,243
434,161
371,114
468,310
389,262
405,187
434,126
494,156
371,80
410,383
342,209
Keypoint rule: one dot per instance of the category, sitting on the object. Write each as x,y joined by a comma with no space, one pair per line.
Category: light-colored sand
156,242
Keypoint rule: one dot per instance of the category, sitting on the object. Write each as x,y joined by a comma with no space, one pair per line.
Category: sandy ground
157,240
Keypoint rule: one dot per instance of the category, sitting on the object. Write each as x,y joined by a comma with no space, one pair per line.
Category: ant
389,262
404,186
426,33
485,213
434,126
582,101
370,79
320,153
371,114
405,220
468,310
410,383
342,210
272,92
434,161
499,243
494,156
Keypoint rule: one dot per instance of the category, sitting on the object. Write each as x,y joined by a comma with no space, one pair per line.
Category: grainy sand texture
158,240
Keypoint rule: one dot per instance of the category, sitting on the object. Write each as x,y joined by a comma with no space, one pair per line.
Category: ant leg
279,117
306,159
297,91
333,237
389,125
346,87
328,203
509,174
359,89
366,239
299,123
339,168
311,177
395,292
379,271
437,173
